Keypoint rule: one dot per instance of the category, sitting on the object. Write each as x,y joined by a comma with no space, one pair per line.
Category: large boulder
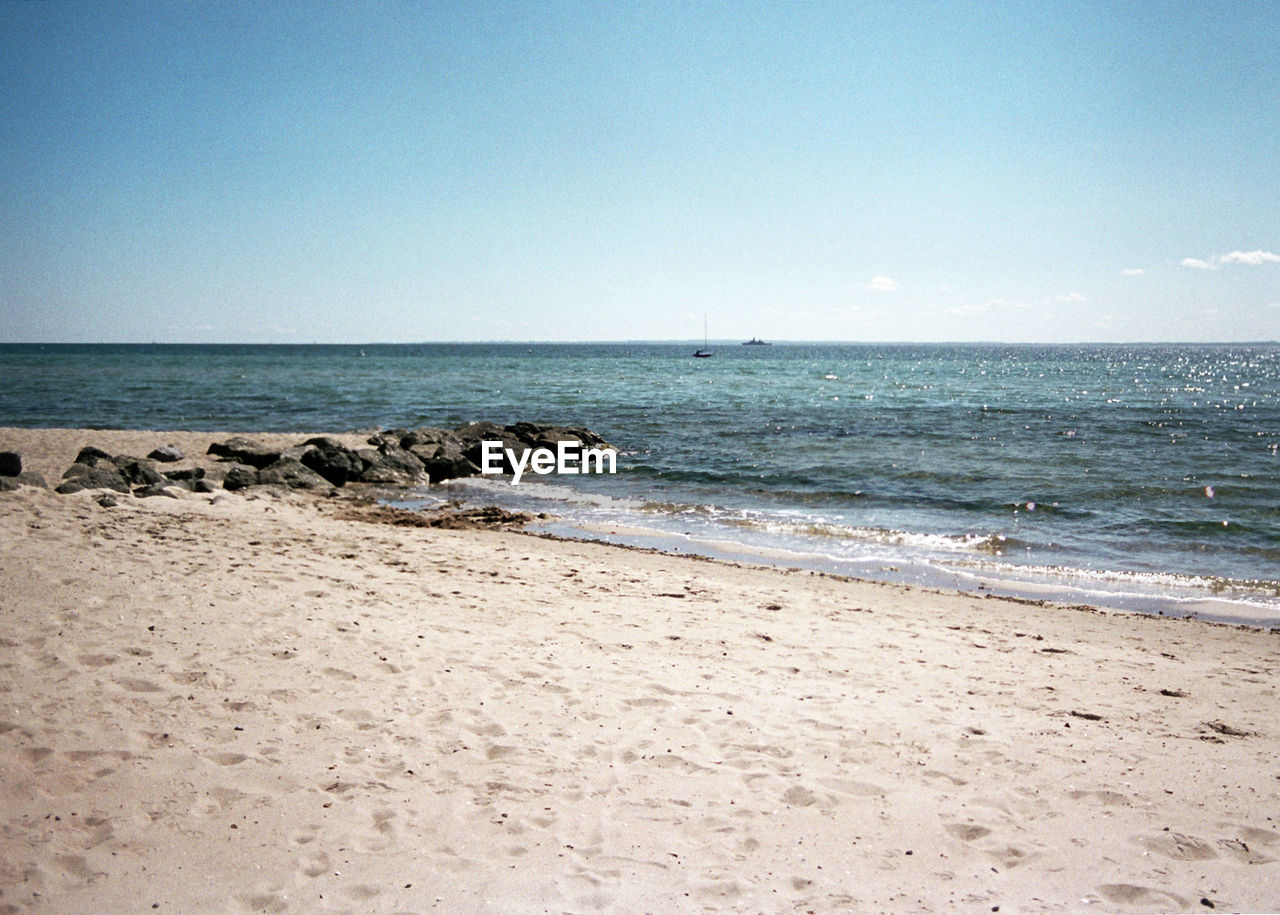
332,460
10,463
103,475
427,435
390,465
474,450
91,456
292,473
239,476
136,471
471,434
185,474
167,454
245,451
449,466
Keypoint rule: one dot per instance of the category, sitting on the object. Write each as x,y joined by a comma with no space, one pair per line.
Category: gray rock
107,501
239,476
474,451
447,467
245,451
91,456
156,489
185,473
10,463
204,485
26,478
293,474
427,435
167,454
333,460
388,437
473,433
102,476
137,471
390,465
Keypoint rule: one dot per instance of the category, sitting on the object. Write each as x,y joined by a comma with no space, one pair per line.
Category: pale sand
234,702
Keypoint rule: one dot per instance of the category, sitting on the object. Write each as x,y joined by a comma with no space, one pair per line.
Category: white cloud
1248,258
1251,258
1070,297
882,284
1132,271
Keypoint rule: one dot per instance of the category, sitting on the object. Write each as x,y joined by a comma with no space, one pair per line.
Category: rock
167,454
10,463
388,437
204,485
332,460
239,476
185,474
390,465
102,476
136,471
107,501
474,451
541,435
474,433
91,456
155,489
427,435
291,473
26,478
245,451
446,444
450,468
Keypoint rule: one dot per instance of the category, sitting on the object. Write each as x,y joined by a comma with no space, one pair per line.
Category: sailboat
703,353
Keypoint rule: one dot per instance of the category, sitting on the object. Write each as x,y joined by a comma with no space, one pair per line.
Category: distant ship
756,341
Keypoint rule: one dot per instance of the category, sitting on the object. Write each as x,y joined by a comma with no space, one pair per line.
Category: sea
1134,477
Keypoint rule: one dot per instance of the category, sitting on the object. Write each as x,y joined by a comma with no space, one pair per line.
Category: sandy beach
244,701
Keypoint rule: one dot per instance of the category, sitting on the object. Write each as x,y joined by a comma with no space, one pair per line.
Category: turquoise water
1130,475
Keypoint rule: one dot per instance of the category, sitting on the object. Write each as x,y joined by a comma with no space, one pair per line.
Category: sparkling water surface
1144,474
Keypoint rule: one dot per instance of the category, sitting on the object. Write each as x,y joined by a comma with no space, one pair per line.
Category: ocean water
1140,476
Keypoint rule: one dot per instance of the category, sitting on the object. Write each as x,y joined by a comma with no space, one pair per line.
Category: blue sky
316,172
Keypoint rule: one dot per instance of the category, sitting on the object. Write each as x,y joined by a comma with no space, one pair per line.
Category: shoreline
258,702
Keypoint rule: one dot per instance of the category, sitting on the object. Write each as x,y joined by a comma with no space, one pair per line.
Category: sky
402,172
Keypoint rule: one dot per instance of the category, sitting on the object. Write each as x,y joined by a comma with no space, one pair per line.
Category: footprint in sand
1178,846
135,685
1128,894
77,869
1242,852
97,660
967,832
1106,798
228,759
314,864
36,755
263,902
